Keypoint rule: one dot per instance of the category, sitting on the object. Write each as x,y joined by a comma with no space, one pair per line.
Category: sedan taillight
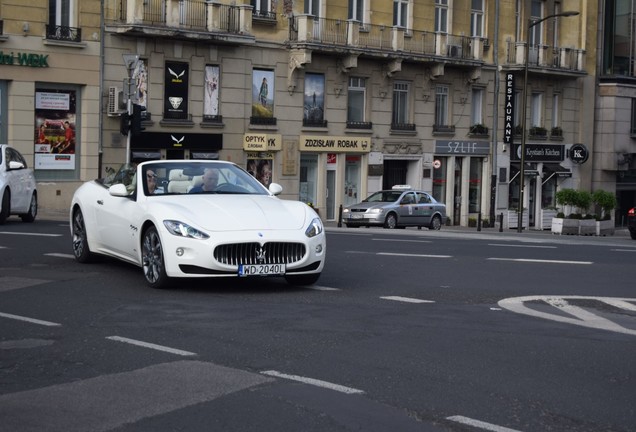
632,211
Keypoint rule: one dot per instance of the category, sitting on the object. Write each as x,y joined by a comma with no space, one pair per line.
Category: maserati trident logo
260,255
175,101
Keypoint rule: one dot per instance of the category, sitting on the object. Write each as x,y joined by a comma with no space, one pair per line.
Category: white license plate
261,269
356,216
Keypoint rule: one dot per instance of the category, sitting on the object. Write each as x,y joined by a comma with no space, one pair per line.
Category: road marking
582,317
623,250
406,299
542,261
480,424
109,402
312,381
322,288
151,346
522,246
60,255
402,240
30,320
31,234
413,255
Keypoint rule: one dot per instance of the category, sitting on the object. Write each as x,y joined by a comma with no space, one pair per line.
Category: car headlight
314,228
184,230
376,210
345,210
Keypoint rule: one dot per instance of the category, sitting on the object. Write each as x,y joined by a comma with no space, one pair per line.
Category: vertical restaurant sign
509,109
176,91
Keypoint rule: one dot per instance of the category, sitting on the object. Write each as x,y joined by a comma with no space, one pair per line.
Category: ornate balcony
63,33
180,19
547,57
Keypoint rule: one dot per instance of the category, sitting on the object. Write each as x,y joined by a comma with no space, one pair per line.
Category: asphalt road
406,330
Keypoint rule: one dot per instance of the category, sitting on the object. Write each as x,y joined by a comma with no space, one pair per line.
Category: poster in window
314,98
55,123
260,168
263,93
211,96
140,78
176,91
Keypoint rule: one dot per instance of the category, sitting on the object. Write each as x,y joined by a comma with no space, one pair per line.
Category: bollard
501,222
340,216
479,222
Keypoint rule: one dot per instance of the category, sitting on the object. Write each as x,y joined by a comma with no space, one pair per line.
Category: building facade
50,91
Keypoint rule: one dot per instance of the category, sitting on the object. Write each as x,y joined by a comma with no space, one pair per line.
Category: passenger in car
151,180
210,180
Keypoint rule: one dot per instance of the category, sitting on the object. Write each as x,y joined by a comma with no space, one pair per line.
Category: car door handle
100,202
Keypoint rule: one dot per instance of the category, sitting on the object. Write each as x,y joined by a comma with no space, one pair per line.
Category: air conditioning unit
454,51
115,96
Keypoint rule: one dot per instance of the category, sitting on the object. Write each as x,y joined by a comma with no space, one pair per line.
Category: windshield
384,196
208,177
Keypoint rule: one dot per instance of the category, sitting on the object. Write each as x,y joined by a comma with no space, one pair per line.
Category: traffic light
124,126
135,122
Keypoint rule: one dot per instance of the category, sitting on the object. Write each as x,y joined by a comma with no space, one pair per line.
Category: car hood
233,212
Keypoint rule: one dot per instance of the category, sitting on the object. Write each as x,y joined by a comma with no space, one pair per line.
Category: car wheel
301,280
81,250
33,210
390,221
152,259
633,234
6,207
436,223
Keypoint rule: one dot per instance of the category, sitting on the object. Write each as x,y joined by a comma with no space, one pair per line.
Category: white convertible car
186,218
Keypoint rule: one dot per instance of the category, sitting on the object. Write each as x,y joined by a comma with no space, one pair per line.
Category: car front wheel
81,250
153,260
30,215
436,223
390,221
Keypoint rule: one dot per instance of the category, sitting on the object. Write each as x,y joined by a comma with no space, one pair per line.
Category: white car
18,189
197,219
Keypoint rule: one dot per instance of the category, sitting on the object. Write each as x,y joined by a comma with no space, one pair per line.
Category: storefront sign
175,140
24,59
176,91
509,109
464,148
262,142
539,153
579,153
340,144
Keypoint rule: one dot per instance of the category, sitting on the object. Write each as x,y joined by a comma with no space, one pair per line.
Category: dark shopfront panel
177,145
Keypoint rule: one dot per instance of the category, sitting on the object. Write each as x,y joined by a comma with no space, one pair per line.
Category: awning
551,170
146,155
530,170
203,155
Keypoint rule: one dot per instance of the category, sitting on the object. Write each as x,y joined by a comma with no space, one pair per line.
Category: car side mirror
15,165
275,189
118,190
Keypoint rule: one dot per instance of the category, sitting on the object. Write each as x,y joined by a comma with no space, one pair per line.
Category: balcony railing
263,121
196,15
359,125
546,56
314,123
63,33
352,35
403,127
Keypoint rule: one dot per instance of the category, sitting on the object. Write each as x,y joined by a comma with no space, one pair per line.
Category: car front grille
358,210
254,253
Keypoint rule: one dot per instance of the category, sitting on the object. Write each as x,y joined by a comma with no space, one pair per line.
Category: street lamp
523,111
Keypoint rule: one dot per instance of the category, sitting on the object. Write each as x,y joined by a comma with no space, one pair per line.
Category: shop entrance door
174,154
394,173
331,194
531,198
457,192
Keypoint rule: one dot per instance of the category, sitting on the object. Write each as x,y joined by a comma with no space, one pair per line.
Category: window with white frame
61,13
400,103
441,105
555,25
536,13
536,110
556,117
356,99
261,7
356,10
312,7
400,13
477,18
477,106
441,16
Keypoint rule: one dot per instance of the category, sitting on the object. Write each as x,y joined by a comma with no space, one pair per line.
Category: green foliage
605,200
566,197
560,215
581,200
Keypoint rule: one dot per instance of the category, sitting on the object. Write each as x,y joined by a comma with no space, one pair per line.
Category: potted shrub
478,129
538,132
556,133
570,225
587,223
606,202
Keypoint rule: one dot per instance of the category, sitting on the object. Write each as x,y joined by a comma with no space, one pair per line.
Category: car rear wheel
6,207
391,221
301,280
436,223
81,250
632,234
30,215
152,259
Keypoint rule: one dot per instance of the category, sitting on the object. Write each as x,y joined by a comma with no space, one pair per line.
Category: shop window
439,180
474,188
352,180
314,109
308,178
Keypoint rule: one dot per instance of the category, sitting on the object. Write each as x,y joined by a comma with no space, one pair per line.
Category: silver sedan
396,208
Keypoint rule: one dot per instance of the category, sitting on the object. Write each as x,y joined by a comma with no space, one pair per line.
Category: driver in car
210,180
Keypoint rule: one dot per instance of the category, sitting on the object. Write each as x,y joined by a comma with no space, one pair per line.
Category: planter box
511,219
605,228
587,227
565,226
546,219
